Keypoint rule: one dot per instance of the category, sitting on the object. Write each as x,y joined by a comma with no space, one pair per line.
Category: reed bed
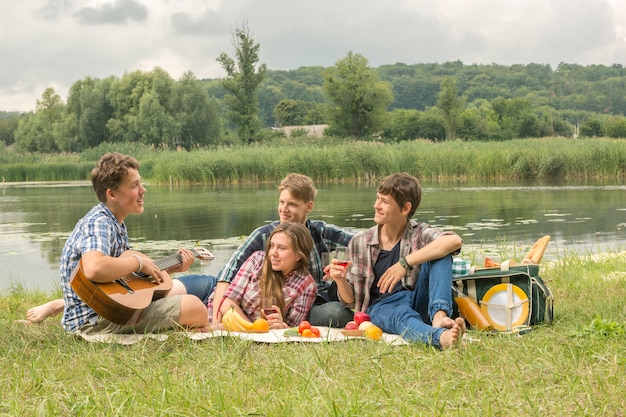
333,160
574,367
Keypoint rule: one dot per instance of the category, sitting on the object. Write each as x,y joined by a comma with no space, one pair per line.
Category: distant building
312,130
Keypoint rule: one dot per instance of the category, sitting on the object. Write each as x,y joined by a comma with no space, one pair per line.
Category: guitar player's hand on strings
187,258
148,267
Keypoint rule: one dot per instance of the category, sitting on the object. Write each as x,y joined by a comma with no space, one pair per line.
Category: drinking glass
326,259
267,306
341,256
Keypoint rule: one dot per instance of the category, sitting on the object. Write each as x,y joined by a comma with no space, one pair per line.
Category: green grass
574,367
330,159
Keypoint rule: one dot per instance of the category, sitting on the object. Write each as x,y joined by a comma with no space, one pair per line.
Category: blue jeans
410,313
201,286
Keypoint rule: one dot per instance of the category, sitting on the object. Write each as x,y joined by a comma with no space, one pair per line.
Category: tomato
307,333
303,326
315,331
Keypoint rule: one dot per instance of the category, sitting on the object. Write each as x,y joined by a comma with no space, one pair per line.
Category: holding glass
341,256
268,306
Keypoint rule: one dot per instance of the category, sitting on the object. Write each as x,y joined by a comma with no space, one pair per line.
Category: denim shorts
201,286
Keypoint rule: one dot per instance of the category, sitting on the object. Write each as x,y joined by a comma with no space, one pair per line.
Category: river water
493,220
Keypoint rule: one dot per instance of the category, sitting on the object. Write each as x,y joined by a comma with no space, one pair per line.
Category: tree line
392,102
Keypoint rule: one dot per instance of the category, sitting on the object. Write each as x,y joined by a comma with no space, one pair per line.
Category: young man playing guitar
99,246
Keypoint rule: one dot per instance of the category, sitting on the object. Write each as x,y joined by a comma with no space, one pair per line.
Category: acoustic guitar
123,300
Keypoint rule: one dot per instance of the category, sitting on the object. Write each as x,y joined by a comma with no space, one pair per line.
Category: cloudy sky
53,43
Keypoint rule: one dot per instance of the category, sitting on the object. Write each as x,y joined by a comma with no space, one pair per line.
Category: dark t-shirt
386,258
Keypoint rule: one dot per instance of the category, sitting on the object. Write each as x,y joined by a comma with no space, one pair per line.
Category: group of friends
399,271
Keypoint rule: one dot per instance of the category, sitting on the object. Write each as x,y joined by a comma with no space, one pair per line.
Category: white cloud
61,41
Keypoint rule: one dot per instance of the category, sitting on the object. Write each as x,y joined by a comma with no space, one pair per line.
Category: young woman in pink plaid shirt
281,271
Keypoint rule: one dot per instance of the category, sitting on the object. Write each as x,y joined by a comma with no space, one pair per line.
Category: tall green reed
323,159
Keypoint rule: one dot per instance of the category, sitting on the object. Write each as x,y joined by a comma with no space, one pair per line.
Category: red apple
360,317
351,325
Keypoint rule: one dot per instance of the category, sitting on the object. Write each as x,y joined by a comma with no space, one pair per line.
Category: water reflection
36,220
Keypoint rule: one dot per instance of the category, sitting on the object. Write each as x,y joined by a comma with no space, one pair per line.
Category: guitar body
122,301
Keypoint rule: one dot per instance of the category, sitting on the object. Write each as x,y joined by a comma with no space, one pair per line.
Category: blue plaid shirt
98,230
326,237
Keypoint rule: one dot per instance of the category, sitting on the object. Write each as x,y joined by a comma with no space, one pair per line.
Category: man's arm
98,267
335,234
436,249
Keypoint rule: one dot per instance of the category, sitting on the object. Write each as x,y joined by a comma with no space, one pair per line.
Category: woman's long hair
301,242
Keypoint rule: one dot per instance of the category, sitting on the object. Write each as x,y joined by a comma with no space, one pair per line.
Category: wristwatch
405,264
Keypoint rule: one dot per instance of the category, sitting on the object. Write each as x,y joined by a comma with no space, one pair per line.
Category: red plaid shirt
364,249
299,291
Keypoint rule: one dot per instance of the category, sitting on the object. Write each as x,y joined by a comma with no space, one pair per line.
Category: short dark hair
403,188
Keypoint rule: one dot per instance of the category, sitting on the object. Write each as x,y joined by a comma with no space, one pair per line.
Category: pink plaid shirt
299,291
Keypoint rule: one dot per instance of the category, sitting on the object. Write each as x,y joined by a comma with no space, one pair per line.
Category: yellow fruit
260,326
245,323
230,323
365,325
373,332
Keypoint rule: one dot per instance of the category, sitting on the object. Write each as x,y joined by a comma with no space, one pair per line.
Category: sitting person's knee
331,314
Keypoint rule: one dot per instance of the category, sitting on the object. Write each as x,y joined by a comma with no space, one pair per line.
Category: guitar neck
171,260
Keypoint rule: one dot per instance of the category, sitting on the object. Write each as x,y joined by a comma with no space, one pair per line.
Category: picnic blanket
327,334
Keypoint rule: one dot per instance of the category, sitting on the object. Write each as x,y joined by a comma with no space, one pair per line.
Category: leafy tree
242,82
153,123
433,126
138,100
87,101
473,125
359,98
404,124
66,134
616,127
8,126
197,114
297,112
451,106
591,128
36,132
125,96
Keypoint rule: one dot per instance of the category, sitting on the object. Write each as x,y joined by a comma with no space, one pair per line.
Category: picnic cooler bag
509,296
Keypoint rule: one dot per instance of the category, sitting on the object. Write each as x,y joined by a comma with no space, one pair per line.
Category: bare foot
40,313
461,322
441,319
454,334
450,337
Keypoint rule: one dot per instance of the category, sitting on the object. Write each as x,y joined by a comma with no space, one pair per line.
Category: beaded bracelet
405,264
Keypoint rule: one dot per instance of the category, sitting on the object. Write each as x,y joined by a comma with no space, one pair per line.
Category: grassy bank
332,160
574,367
